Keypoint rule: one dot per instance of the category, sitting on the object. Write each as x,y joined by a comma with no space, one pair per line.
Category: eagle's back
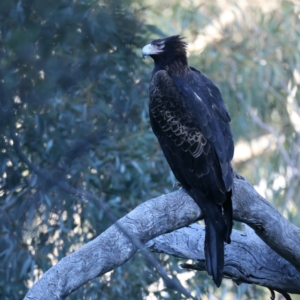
191,132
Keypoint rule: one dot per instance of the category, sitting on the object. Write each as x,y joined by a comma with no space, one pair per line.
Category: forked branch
176,210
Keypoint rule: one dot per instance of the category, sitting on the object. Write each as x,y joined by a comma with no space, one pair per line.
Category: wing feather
204,100
187,145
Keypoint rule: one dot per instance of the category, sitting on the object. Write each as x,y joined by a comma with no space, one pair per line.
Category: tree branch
136,244
277,232
113,248
158,216
247,259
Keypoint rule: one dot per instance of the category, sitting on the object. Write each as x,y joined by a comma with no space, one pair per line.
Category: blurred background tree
74,90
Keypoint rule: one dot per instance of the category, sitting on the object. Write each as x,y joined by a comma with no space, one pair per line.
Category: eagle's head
168,54
173,45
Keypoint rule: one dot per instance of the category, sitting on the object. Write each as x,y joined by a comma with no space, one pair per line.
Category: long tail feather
227,208
214,253
216,233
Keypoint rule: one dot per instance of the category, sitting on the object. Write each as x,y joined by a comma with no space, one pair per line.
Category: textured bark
247,259
276,231
166,214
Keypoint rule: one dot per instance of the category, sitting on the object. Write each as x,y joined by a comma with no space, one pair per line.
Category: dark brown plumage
189,118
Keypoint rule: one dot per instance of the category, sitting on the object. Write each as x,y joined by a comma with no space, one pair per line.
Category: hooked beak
150,50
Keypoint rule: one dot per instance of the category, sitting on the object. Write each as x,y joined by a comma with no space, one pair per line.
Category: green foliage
251,51
74,90
256,65
71,90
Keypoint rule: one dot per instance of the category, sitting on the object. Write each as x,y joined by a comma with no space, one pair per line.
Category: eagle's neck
175,66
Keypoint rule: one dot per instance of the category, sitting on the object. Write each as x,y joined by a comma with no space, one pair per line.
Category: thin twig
10,201
268,128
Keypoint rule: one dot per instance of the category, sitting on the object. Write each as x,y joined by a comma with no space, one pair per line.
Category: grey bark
166,214
247,259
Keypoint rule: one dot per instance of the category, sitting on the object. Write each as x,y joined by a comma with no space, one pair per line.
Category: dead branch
163,215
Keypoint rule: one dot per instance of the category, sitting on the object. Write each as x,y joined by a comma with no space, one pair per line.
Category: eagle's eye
160,46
